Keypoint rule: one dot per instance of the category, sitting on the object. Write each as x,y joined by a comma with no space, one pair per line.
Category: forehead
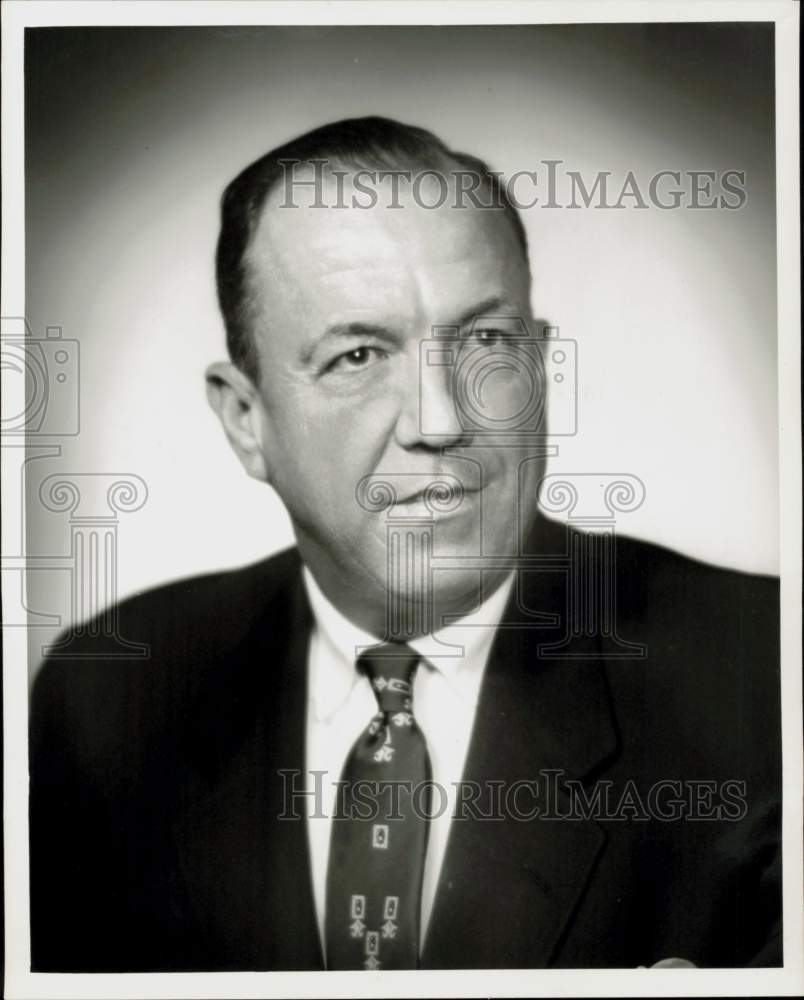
409,261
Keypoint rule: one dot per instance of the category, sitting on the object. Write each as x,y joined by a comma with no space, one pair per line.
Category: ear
237,402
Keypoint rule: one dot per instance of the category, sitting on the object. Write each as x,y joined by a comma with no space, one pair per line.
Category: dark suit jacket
155,794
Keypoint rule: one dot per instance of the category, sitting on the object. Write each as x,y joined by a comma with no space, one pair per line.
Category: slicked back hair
370,143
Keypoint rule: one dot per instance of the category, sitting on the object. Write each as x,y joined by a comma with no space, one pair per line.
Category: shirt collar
458,651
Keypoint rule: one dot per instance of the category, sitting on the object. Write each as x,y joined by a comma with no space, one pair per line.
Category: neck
394,616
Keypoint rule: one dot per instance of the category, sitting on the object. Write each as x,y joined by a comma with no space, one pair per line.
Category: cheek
326,446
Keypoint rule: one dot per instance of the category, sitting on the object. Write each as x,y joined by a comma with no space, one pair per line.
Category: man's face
344,299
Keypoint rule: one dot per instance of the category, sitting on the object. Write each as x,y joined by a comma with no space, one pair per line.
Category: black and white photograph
401,469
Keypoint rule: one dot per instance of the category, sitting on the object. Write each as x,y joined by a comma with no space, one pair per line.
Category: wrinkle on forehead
408,261
335,230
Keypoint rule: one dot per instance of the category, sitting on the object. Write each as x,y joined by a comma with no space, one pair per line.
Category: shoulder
708,682
643,561
224,602
657,586
670,591
162,643
232,596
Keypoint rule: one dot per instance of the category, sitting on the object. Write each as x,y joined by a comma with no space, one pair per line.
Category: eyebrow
481,308
358,329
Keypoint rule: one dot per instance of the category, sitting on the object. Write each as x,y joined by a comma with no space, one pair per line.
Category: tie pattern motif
379,830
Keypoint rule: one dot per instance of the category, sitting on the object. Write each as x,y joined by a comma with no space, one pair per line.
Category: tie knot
390,669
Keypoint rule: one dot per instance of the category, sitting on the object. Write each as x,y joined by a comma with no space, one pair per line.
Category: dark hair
371,143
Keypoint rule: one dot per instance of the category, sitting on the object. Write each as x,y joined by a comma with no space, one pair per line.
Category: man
584,734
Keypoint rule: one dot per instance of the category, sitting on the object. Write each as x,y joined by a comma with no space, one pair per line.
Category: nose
428,416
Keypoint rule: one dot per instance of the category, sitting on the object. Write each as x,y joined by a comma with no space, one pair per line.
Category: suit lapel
508,887
246,869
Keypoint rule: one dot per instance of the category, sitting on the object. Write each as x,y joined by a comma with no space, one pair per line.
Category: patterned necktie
379,829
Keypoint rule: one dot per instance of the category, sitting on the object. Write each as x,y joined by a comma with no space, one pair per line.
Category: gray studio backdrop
131,134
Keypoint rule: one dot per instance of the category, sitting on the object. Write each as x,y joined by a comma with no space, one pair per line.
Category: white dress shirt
341,704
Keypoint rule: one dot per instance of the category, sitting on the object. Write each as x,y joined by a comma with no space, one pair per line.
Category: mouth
418,494
438,497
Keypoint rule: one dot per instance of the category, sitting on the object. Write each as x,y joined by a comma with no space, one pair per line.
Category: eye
354,360
489,335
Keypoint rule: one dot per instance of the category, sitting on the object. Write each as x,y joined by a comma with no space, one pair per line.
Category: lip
419,496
